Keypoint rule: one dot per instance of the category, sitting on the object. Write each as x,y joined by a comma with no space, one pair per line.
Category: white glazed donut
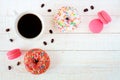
67,18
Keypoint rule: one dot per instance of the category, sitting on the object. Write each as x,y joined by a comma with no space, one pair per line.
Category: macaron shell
104,17
96,26
14,54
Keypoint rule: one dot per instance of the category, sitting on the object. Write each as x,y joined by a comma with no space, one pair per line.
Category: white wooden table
77,55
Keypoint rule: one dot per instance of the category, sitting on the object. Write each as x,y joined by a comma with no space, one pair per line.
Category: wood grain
75,55
75,64
64,42
10,22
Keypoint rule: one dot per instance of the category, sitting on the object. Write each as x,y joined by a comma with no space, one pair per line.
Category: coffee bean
92,7
42,5
49,10
85,10
18,63
7,30
45,43
50,31
52,40
9,67
11,40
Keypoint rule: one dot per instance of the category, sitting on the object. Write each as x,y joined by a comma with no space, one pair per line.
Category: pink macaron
96,25
104,17
13,54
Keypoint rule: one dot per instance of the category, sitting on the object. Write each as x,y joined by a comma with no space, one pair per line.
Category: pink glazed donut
36,61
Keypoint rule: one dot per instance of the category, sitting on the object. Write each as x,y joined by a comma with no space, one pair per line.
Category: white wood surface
76,55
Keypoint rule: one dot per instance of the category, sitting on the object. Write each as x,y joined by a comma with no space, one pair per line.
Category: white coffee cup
37,16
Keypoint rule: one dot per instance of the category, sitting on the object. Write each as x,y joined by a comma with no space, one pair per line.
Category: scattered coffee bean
85,10
42,5
7,30
92,7
45,43
18,63
9,67
11,40
49,10
52,40
50,31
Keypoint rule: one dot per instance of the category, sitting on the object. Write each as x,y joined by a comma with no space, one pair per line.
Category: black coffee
29,26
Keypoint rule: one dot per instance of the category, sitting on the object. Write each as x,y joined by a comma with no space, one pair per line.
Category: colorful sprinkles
67,18
36,61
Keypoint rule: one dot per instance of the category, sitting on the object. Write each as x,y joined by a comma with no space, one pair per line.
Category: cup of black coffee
29,25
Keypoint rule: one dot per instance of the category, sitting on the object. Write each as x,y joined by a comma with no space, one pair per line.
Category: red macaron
13,54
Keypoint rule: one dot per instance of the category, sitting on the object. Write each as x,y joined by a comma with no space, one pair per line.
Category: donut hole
67,18
35,61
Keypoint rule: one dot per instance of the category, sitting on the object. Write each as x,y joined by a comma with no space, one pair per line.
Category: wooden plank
111,28
82,76
68,65
63,61
10,7
76,55
64,42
